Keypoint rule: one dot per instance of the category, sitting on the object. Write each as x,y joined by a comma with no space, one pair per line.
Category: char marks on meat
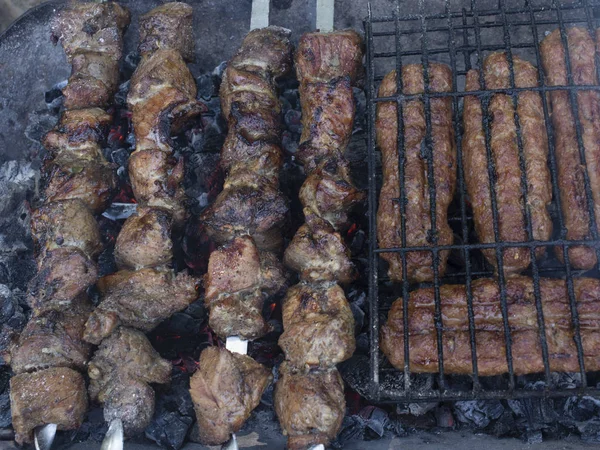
225,389
120,372
489,329
418,222
317,320
77,182
573,196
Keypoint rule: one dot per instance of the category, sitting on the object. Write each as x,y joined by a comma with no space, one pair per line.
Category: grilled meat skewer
489,329
573,196
246,218
146,290
317,320
79,182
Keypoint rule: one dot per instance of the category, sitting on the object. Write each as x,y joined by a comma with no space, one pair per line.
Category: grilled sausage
512,225
489,331
573,198
416,187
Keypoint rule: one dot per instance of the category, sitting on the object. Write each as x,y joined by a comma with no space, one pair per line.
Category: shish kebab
48,391
246,219
317,320
146,290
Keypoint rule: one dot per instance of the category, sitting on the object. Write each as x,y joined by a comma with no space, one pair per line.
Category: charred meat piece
162,99
318,253
56,395
318,324
225,389
310,406
168,26
140,299
63,275
418,223
489,330
262,158
120,373
53,337
66,223
573,197
239,279
512,225
145,240
92,37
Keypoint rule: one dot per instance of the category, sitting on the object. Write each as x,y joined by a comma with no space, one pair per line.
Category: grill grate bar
462,27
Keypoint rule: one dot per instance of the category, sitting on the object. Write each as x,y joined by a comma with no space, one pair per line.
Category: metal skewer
114,436
44,436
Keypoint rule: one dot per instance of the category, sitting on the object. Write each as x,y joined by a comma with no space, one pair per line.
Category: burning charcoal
358,242
370,423
293,121
504,426
40,122
121,95
218,71
355,372
534,414
173,414
444,417
289,142
54,97
131,60
590,431
207,86
581,409
362,344
478,413
119,156
120,211
7,304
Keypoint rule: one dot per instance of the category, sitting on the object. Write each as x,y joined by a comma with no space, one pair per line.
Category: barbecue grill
462,38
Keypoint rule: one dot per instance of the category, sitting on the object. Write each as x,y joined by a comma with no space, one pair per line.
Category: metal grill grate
462,38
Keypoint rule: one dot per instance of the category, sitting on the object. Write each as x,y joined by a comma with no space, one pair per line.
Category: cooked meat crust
419,265
573,198
505,153
489,331
120,372
225,389
56,395
310,406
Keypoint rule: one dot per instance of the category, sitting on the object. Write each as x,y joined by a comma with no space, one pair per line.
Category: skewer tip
114,436
44,436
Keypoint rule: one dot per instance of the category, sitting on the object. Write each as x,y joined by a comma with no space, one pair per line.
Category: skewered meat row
146,291
489,331
246,219
79,183
442,151
512,225
317,320
573,197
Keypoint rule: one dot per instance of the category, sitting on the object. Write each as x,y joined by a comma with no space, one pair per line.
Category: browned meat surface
318,324
63,275
145,240
56,395
66,223
53,337
250,202
225,389
419,264
140,299
489,334
92,36
120,372
319,253
310,406
512,223
168,26
573,198
238,280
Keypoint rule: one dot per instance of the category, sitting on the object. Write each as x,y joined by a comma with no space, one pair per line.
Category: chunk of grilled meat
418,223
318,253
65,223
168,26
571,178
489,329
56,395
53,337
225,389
120,373
140,299
238,280
250,202
318,324
63,274
92,36
310,406
145,240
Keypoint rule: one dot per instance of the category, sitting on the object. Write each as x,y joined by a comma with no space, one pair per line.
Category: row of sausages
496,126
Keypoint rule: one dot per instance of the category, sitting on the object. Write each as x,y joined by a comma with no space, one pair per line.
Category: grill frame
387,384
